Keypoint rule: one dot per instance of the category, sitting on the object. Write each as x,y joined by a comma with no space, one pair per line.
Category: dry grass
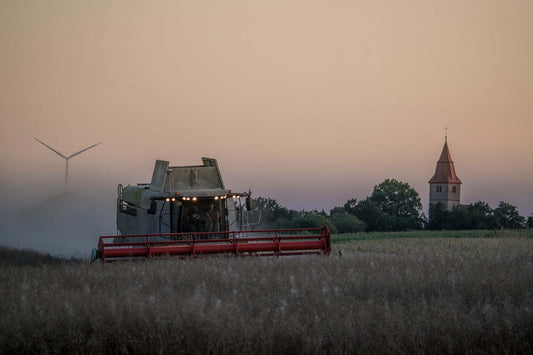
383,296
425,234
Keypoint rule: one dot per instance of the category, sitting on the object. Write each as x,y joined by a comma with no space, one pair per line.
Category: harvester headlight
184,198
167,199
173,199
216,197
234,197
194,198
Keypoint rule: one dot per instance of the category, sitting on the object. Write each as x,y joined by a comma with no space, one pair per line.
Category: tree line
392,206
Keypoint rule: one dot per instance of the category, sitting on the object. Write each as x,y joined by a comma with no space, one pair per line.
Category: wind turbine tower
66,158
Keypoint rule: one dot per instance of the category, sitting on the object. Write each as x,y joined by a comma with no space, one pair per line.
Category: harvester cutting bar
274,242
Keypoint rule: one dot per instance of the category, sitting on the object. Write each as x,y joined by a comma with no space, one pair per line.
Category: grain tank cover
159,175
195,177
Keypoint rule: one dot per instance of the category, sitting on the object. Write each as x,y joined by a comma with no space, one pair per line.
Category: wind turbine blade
83,150
52,149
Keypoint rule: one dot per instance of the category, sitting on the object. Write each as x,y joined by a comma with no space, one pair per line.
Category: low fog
64,224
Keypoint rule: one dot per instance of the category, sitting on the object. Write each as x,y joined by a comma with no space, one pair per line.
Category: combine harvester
187,212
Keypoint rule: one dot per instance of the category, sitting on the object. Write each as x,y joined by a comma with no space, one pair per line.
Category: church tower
445,186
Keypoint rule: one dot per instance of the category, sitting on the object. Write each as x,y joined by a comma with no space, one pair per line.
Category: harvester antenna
65,157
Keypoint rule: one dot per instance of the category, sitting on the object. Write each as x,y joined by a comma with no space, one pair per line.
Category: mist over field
63,223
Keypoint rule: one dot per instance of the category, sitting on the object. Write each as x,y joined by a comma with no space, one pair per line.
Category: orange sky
320,100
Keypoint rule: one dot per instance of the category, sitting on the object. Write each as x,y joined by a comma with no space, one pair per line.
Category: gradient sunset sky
311,102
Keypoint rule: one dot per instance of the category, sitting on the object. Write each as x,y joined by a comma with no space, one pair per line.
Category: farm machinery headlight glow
229,194
196,198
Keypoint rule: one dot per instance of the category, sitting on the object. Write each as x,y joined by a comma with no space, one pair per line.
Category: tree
399,203
438,216
397,199
482,215
350,206
368,212
346,222
458,218
393,206
507,216
272,214
530,221
312,219
476,216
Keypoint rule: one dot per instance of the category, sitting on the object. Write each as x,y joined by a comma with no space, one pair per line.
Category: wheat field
390,296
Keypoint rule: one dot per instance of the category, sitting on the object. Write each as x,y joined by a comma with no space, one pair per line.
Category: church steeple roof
445,171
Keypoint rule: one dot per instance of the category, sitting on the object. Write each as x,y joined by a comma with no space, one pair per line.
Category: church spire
445,186
445,170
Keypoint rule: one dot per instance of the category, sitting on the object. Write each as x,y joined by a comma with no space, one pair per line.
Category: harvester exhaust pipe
249,201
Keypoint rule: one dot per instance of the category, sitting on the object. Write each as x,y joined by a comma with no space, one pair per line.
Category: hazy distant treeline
393,206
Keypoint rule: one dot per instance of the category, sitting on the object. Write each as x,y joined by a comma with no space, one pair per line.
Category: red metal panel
263,242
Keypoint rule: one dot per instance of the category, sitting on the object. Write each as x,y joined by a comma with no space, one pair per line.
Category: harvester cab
187,211
181,199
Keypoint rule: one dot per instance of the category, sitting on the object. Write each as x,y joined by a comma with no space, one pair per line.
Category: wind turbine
66,158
